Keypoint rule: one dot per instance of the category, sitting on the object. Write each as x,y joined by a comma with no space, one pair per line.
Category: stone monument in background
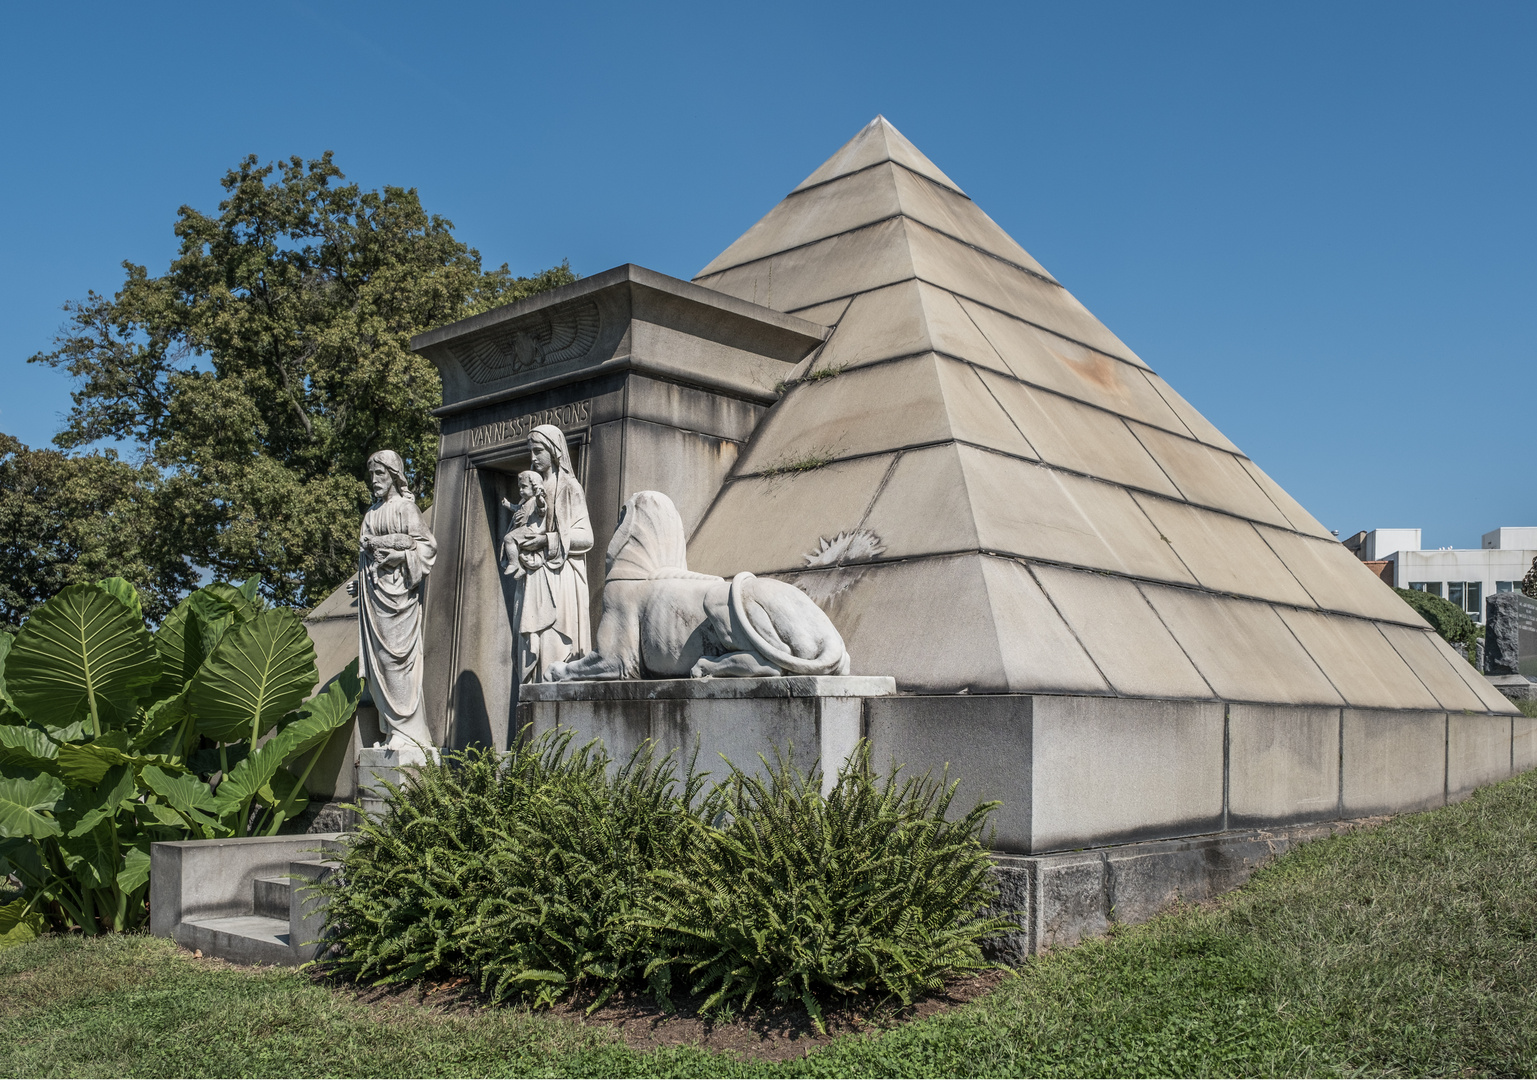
1510,644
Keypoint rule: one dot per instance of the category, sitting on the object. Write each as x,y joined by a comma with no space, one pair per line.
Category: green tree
69,519
263,367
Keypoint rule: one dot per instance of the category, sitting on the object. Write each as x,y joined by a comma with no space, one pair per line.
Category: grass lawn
1407,949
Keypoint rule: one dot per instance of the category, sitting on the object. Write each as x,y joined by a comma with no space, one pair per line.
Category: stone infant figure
532,509
530,575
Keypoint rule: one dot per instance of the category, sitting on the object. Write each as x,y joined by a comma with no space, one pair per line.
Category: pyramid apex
876,142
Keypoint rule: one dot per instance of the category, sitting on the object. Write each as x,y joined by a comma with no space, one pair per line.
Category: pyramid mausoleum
1096,608
990,493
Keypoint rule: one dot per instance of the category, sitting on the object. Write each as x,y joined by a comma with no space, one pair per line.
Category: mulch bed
772,1032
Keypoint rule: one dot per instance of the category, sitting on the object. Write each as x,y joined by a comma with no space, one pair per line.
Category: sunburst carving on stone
846,547
548,338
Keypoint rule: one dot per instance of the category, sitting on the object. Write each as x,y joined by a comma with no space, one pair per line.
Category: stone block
686,465
982,741
789,514
1140,884
1069,434
1433,663
1358,660
1296,516
851,262
1283,764
1015,879
876,142
1194,423
1072,900
903,319
1335,579
1040,653
957,648
689,408
851,414
1109,770
1392,761
1478,751
1223,552
307,908
1055,363
1523,744
1035,512
1000,285
814,721
1124,636
1270,667
1209,477
623,727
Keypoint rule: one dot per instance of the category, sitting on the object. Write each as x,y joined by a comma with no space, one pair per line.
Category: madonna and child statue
544,546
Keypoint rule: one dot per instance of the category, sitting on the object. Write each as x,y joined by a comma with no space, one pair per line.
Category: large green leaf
161,720
91,855
123,589
7,639
187,795
88,763
247,780
81,656
23,804
19,924
134,874
258,672
322,715
84,808
28,748
190,632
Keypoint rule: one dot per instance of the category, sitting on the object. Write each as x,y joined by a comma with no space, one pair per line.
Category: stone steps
245,900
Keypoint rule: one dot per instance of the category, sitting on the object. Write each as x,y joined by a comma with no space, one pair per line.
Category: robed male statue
395,555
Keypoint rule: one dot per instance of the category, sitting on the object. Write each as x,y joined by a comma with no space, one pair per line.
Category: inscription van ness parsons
565,417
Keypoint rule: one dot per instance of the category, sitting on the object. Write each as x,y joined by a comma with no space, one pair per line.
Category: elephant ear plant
112,737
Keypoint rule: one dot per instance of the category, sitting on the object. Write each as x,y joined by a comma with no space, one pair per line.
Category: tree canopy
255,376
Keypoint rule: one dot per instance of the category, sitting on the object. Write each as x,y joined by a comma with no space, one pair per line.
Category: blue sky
1316,220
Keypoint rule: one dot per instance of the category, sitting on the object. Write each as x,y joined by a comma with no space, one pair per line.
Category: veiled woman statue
395,555
544,551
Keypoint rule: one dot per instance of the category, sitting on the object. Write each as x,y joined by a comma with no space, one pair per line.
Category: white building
1462,575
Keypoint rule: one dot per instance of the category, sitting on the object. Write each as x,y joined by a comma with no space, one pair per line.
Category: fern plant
550,866
523,871
869,890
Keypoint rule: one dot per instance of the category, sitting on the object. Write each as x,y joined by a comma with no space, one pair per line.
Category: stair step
244,939
271,896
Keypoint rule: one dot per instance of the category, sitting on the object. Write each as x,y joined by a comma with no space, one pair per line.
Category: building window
1432,587
1504,586
1469,596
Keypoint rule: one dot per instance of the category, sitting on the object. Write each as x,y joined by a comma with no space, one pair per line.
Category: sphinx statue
662,621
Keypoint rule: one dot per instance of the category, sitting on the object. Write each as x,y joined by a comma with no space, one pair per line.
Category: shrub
868,890
1448,620
543,868
521,870
112,738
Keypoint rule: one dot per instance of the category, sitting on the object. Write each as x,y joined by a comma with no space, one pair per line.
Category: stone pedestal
817,721
376,767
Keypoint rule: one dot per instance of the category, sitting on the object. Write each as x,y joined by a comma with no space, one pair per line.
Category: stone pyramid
990,493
